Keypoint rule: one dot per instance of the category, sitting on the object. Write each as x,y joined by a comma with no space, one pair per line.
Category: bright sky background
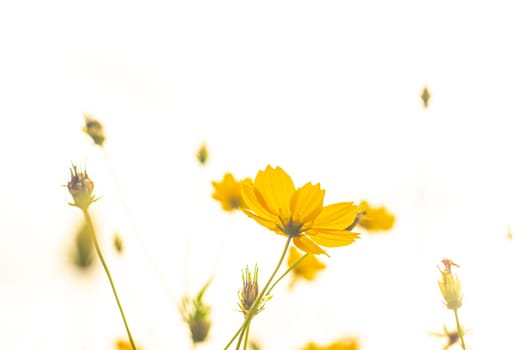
329,91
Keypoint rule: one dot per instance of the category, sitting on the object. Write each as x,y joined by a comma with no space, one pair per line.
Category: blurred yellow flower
375,218
123,345
452,337
228,193
307,269
343,344
273,201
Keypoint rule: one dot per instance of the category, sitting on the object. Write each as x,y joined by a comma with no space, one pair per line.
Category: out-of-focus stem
106,269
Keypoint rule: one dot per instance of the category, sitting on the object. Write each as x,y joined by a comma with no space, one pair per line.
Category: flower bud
250,291
81,188
450,286
95,130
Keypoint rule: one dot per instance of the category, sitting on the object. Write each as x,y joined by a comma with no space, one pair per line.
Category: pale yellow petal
253,203
336,216
332,238
307,203
264,222
307,245
276,188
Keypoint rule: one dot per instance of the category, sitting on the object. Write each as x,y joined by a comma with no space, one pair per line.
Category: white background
327,90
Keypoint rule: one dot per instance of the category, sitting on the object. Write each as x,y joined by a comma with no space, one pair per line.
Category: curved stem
106,269
460,331
297,262
262,294
241,336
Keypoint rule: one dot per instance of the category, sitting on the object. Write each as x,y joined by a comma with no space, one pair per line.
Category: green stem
297,262
103,261
262,294
241,336
246,336
460,331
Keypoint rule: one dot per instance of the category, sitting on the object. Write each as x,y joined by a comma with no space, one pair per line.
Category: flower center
235,203
291,228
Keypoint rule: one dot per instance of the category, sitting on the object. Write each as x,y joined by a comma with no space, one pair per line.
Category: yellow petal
307,245
276,188
264,222
253,203
332,238
336,216
307,203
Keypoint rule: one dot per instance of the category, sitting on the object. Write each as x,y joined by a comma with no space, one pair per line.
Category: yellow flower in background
452,337
228,193
123,345
343,344
273,201
375,218
307,269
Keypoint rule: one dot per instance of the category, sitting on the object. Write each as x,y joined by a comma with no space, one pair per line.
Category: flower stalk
253,309
81,189
450,287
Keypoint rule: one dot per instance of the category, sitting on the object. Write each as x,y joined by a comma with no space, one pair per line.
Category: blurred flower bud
81,188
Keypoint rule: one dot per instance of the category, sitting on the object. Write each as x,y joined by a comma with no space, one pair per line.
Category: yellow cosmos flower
273,201
343,344
228,193
375,218
307,269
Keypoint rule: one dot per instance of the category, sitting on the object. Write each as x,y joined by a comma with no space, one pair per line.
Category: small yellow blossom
81,188
450,286
374,219
343,344
228,193
94,129
307,269
273,201
202,154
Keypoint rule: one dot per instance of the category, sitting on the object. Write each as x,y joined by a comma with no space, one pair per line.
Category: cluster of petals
274,202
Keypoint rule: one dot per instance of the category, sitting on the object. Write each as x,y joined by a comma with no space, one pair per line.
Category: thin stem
103,261
262,294
246,336
460,331
297,262
241,336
